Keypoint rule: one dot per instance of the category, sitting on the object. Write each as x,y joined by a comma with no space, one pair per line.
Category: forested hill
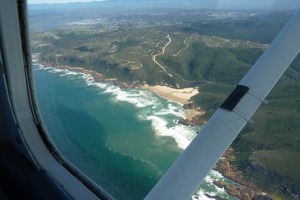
181,48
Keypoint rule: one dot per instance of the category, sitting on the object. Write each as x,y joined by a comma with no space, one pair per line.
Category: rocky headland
245,189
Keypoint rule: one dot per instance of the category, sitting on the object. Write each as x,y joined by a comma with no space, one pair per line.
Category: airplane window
123,87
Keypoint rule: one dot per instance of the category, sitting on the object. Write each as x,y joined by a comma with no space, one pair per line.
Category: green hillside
213,55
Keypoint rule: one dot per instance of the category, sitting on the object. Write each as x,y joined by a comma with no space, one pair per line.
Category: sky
57,1
250,4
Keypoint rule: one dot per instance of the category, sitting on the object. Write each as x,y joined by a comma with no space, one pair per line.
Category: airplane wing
192,166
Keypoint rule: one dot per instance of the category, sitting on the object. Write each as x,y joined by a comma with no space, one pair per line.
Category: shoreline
183,96
245,189
180,96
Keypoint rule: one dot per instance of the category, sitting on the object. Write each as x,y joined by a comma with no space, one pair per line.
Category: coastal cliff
194,115
245,189
226,165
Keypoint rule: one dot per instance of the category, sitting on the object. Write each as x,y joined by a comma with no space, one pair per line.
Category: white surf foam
69,73
201,196
162,112
138,98
182,135
216,175
213,189
175,110
213,176
142,99
171,109
100,85
38,66
162,123
55,70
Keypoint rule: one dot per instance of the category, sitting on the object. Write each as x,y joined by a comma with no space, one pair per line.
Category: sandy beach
181,96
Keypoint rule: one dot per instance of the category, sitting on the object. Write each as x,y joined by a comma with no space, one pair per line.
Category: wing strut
193,165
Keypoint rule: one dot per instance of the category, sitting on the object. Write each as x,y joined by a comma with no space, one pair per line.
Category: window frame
34,143
28,135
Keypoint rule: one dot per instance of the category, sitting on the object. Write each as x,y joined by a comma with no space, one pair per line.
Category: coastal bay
181,96
139,130
182,137
120,53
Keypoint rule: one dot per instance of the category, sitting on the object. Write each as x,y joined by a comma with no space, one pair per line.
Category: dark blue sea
124,139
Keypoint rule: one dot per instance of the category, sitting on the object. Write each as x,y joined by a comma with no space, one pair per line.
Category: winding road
161,53
187,45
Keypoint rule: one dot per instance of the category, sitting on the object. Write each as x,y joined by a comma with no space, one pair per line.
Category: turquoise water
123,139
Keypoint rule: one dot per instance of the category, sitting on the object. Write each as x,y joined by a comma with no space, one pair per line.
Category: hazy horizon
60,1
210,4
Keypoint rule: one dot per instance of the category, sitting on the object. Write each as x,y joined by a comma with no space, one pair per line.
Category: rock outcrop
293,191
192,122
261,197
247,190
241,192
189,106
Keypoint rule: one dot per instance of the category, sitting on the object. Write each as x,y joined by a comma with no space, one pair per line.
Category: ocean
124,139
